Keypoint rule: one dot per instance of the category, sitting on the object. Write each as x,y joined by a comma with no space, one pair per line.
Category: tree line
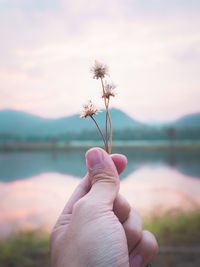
140,133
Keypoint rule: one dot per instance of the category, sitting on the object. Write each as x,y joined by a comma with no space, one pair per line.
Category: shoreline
77,145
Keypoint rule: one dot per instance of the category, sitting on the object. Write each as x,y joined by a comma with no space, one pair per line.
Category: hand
97,226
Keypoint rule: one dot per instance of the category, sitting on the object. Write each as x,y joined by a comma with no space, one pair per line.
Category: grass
179,230
31,249
25,249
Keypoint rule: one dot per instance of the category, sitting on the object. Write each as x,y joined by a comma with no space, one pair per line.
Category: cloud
152,50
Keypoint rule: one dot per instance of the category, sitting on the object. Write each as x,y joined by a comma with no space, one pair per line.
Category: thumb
103,176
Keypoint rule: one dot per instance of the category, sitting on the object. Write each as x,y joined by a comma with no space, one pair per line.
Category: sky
152,48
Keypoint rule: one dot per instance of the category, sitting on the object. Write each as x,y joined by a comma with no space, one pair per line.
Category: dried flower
109,90
99,70
89,110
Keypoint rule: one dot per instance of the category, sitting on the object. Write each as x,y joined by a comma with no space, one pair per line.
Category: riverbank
178,237
74,145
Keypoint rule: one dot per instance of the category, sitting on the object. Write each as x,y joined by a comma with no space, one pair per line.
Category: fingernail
94,159
137,261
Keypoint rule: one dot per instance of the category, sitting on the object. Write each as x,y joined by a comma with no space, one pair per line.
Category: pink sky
152,49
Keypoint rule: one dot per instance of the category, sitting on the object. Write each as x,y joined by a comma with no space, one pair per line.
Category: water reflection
21,165
37,201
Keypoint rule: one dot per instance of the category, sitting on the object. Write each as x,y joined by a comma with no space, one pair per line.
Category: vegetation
182,230
31,249
140,133
25,249
178,238
19,127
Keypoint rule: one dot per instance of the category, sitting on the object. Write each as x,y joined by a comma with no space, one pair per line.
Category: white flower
89,110
99,70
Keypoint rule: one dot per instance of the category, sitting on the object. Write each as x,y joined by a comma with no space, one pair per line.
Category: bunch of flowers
100,71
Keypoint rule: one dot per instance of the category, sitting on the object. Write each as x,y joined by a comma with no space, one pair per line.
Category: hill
25,124
188,121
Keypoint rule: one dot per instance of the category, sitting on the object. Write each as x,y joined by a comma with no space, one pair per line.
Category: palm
109,246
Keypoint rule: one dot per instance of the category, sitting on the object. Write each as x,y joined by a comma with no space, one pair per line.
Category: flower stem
99,131
107,116
107,130
109,151
107,121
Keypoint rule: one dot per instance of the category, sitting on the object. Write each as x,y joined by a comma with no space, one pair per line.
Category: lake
35,185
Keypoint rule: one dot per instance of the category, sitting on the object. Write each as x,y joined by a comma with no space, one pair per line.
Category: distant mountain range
191,120
25,124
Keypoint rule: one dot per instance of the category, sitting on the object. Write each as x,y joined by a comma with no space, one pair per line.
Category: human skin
97,227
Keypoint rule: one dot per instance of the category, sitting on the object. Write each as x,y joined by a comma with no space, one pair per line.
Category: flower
89,110
109,90
99,70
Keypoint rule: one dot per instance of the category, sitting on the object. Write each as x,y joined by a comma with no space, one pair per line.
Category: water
22,165
34,186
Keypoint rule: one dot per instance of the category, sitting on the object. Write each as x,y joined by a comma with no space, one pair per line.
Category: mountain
25,124
188,121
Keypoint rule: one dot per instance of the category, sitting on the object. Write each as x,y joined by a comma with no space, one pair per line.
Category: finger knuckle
104,176
153,244
78,206
136,226
52,239
155,248
137,233
84,205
